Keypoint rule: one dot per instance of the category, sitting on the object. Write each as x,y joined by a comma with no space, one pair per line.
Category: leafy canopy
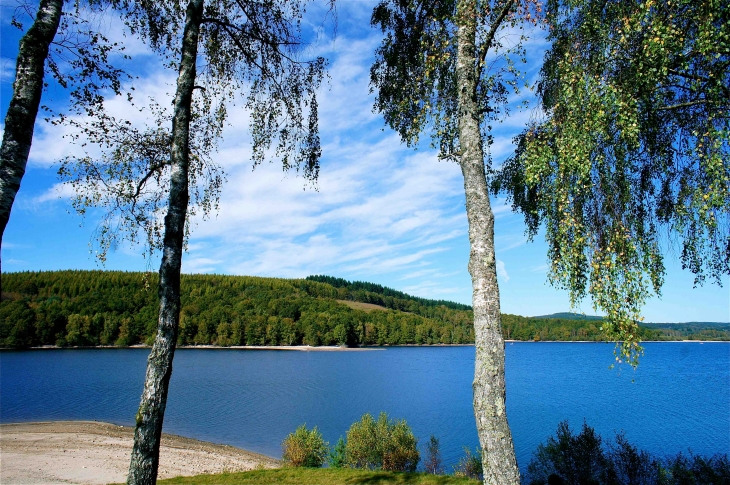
81,58
414,72
632,153
250,52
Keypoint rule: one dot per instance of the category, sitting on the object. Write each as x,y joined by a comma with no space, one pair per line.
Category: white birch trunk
495,438
145,454
21,115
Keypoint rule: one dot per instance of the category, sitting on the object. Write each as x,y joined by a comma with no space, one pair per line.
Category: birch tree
633,154
448,66
77,57
222,50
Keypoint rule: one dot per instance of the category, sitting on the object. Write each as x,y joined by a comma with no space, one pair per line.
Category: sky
380,212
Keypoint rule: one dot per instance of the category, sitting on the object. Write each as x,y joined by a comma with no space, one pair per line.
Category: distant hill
696,325
691,324
570,316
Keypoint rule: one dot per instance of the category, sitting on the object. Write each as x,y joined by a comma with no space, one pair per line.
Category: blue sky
382,212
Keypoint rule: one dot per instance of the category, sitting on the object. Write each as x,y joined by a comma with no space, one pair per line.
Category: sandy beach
88,452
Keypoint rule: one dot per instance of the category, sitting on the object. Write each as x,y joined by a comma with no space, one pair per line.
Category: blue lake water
677,400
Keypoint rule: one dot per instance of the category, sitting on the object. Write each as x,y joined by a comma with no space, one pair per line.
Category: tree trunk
20,118
145,454
495,438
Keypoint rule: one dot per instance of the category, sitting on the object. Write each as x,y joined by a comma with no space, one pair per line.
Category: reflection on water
679,398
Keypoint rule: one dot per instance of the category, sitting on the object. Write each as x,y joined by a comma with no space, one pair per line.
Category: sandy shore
86,452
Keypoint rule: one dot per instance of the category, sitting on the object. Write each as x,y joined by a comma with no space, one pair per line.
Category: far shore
335,348
301,348
91,453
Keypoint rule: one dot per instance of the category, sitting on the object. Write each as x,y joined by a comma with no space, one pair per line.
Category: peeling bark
495,438
21,115
145,453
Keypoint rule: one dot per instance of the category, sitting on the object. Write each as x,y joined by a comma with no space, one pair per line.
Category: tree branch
684,105
493,31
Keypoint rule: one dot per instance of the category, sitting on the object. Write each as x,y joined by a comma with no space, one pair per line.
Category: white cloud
7,70
200,265
56,192
502,271
52,143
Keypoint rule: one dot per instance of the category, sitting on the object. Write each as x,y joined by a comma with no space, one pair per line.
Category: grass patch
319,476
366,307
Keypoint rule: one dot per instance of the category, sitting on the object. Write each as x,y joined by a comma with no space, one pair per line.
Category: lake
677,400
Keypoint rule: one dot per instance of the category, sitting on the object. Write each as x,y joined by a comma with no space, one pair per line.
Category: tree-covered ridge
88,308
382,295
118,308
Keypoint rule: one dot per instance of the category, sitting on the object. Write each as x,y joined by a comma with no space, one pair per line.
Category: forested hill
78,308
89,308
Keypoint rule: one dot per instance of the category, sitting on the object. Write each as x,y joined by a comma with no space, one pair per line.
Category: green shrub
470,465
382,444
577,459
304,448
400,452
695,469
337,455
432,462
628,465
362,443
569,459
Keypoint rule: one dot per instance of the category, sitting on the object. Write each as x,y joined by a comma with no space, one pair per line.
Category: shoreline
300,348
331,348
95,453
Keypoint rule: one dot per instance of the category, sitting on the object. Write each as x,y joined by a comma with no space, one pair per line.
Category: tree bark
145,453
21,115
495,438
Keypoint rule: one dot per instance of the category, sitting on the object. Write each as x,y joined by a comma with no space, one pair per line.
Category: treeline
537,329
89,308
516,327
690,331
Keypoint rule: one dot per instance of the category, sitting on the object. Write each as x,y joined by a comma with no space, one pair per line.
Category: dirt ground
86,452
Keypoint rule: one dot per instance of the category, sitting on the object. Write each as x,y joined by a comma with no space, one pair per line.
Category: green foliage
18,324
304,448
694,469
382,444
577,459
414,73
130,177
432,463
337,454
470,465
629,465
582,459
634,150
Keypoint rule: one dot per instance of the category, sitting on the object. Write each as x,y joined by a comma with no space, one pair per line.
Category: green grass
319,476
